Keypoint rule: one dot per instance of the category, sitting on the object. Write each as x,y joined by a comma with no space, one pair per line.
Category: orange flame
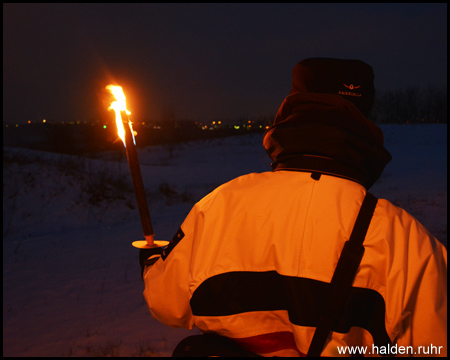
118,106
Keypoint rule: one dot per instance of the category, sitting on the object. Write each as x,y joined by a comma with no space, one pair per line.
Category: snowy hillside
71,282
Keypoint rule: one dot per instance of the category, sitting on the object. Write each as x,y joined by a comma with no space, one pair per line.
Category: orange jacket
253,260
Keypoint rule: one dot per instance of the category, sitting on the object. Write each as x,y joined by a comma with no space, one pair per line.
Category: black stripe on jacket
239,292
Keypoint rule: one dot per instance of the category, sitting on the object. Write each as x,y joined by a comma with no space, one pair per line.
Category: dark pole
136,176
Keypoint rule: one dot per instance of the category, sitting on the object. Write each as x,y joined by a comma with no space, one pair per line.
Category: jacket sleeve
167,281
418,285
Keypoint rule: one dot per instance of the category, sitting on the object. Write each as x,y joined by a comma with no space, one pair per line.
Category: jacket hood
327,134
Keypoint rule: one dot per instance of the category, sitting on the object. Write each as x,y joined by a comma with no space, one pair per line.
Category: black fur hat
352,79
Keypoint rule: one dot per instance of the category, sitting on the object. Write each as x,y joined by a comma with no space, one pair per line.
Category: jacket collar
326,133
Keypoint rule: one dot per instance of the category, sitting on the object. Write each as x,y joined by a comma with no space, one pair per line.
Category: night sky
202,61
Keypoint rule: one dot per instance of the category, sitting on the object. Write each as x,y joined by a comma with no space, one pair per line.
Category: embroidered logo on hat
350,93
351,86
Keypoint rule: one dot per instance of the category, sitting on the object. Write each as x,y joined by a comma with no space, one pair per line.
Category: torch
126,133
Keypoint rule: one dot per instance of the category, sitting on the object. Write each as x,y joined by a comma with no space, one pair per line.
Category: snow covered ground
71,281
